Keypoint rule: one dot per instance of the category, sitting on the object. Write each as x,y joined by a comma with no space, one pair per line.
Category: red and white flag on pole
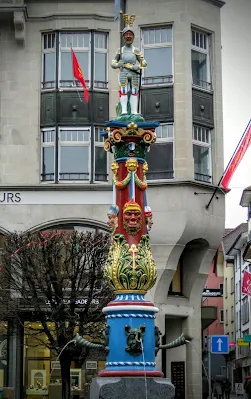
246,283
78,74
237,157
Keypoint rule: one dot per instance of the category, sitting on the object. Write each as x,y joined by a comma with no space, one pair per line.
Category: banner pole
216,188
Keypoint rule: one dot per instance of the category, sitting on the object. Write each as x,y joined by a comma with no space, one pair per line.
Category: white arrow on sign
219,342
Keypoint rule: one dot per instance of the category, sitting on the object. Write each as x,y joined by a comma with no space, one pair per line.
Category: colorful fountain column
130,269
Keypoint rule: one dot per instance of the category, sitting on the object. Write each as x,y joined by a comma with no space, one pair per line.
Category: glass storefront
42,375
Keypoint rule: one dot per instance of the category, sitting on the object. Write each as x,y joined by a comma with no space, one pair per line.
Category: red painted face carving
132,221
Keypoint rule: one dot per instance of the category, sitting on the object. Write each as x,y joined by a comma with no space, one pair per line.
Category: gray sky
236,76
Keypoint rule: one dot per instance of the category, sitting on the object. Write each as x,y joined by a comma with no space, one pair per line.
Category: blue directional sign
219,344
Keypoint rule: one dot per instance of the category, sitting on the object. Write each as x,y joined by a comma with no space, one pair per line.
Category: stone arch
192,262
192,259
69,222
4,232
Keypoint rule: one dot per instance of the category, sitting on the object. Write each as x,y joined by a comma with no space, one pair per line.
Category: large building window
160,157
66,155
202,154
57,63
157,47
221,316
245,310
201,60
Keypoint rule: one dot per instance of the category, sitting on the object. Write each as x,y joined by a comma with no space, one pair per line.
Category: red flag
246,283
237,157
78,74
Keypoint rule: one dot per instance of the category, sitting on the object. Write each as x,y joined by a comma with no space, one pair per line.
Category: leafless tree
58,277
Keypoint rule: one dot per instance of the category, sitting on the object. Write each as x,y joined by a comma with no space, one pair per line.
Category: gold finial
132,19
129,20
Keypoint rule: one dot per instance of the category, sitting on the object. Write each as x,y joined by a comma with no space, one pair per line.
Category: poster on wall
239,389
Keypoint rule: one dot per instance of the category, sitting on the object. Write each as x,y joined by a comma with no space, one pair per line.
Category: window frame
46,145
74,144
232,285
56,144
163,141
159,45
226,287
103,51
46,51
204,144
232,314
207,51
221,318
57,50
99,144
75,83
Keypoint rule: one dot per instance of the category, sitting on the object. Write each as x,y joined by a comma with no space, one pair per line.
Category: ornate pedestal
128,388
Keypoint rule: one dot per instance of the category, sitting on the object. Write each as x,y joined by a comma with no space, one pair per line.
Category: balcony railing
203,178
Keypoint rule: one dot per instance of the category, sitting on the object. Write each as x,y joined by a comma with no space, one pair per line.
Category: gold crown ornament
131,206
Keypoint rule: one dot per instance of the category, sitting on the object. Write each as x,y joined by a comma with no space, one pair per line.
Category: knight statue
130,61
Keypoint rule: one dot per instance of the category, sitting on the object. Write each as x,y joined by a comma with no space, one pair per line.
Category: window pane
201,163
100,40
100,67
66,66
163,35
151,36
74,163
48,163
199,68
170,131
49,69
159,61
100,164
193,38
74,135
157,36
160,161
63,37
146,36
164,131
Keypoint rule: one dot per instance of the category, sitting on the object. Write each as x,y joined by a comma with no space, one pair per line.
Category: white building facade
54,172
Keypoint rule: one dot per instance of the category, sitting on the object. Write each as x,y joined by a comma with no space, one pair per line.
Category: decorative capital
130,268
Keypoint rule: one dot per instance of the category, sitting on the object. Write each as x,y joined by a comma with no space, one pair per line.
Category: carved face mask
132,221
112,221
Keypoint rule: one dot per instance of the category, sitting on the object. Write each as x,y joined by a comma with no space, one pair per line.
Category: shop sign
55,365
247,338
91,365
212,292
241,342
55,197
82,301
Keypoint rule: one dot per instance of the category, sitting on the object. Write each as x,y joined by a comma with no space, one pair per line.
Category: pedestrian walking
248,388
218,390
205,387
227,388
